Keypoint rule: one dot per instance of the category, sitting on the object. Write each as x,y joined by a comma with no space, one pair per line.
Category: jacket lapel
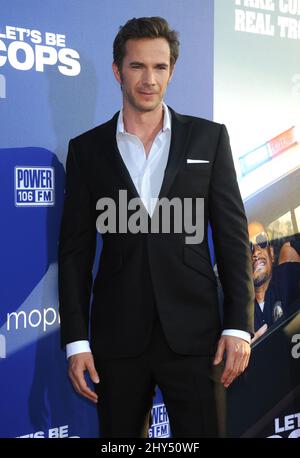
115,157
181,128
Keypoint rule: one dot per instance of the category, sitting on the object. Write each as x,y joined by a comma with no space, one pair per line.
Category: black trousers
190,387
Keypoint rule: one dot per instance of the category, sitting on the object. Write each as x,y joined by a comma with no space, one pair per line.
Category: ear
272,253
171,73
117,73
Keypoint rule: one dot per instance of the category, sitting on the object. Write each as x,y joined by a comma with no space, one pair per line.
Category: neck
145,125
260,291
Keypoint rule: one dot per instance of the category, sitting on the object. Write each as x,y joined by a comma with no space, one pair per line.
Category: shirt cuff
237,333
80,346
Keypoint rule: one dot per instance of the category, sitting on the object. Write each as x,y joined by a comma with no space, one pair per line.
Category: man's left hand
237,357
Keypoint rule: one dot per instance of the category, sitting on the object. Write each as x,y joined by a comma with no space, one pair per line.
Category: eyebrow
158,64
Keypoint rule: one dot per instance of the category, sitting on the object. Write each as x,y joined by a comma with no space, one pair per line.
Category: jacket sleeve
77,244
231,241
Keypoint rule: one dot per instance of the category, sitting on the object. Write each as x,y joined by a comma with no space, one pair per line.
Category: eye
136,66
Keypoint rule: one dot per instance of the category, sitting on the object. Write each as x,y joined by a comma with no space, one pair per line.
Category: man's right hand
78,364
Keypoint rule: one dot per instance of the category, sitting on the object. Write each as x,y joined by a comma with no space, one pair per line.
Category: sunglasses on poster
261,240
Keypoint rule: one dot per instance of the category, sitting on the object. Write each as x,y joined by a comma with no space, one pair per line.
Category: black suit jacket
137,270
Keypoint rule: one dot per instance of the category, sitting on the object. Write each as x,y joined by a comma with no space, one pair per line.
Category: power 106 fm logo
160,422
34,186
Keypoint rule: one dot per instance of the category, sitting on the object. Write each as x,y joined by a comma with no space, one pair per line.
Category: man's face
262,254
145,73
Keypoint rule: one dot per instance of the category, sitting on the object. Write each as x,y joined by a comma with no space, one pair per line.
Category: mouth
147,93
259,264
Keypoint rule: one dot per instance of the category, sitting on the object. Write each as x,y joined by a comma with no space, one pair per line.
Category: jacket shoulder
199,124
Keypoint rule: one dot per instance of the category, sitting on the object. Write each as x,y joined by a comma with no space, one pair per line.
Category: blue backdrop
56,82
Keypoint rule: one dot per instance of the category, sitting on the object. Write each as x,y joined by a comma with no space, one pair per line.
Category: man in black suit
154,318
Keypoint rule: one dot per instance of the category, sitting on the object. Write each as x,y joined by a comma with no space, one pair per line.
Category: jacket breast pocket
195,260
197,172
198,167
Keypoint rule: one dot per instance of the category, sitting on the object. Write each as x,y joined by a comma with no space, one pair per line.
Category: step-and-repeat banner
56,81
257,95
240,61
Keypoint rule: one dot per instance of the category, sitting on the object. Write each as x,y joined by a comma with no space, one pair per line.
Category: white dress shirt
147,175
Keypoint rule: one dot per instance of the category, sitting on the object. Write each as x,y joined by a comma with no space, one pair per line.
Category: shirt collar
166,121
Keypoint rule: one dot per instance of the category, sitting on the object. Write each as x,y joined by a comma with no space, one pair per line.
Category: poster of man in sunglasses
276,276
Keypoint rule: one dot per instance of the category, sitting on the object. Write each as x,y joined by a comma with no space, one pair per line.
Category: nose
148,77
256,251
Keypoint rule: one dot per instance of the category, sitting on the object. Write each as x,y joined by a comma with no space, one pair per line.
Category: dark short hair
145,27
